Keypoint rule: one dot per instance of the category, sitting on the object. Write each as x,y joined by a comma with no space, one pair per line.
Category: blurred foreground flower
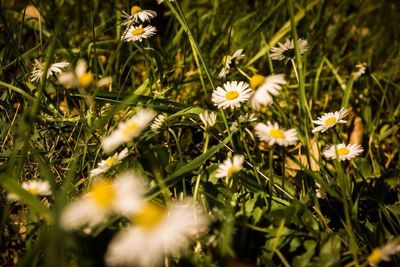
35,187
108,163
128,130
208,118
343,152
230,166
384,253
155,232
231,95
137,14
272,134
122,196
138,33
286,51
328,120
229,61
265,87
39,68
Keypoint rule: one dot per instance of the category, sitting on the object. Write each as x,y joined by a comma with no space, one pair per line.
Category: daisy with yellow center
35,187
230,166
137,14
384,253
286,51
273,134
123,196
343,152
128,130
155,233
39,68
228,61
265,88
108,163
231,95
208,118
329,120
138,33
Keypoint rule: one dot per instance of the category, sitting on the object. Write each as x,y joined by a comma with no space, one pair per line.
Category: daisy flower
231,95
39,68
272,134
286,50
328,120
157,124
108,163
228,61
155,233
343,152
361,69
35,187
122,196
208,118
128,130
230,166
265,87
383,253
137,14
138,33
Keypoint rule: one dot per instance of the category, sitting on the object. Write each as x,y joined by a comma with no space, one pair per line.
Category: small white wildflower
108,163
361,69
35,187
329,120
157,124
228,61
343,152
137,14
383,253
285,51
230,166
272,134
208,118
265,87
39,68
231,95
138,33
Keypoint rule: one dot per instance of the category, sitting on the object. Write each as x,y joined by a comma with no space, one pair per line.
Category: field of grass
109,159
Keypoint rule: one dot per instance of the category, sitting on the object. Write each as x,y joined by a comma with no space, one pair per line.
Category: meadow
200,133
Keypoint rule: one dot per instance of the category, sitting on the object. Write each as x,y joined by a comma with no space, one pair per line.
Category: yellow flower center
33,191
129,128
331,121
342,151
85,79
256,81
231,95
149,217
138,31
226,59
103,193
375,256
111,161
232,170
276,133
135,10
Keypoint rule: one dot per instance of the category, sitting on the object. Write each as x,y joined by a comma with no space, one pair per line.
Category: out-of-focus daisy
361,69
228,61
208,118
231,95
155,233
81,77
158,122
137,14
230,166
343,151
35,187
272,134
128,130
384,253
265,87
39,68
138,33
123,196
328,120
285,51
108,163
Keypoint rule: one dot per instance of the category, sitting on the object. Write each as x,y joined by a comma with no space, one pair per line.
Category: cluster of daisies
135,30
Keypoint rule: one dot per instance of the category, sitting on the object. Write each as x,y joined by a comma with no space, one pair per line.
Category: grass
269,213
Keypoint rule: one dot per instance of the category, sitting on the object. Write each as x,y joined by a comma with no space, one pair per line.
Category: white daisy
343,152
35,187
265,87
208,118
157,124
108,163
229,60
123,196
137,14
155,233
138,33
384,253
328,120
39,68
272,134
231,95
128,130
286,50
230,166
361,69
